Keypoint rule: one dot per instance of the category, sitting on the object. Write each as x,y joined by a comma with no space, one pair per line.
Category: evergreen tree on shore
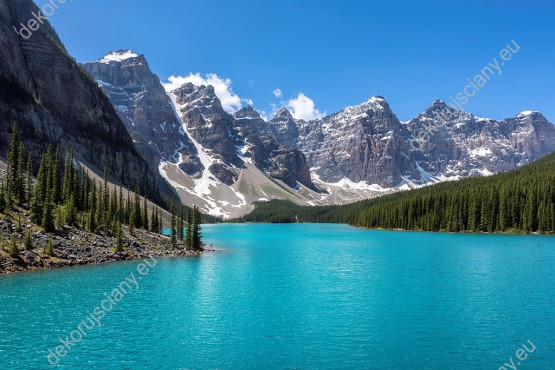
189,231
50,247
21,167
28,243
197,234
173,228
144,214
14,250
63,194
29,180
137,209
121,206
180,227
152,225
2,197
56,176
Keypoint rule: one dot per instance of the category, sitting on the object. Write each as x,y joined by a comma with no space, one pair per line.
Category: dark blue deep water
295,296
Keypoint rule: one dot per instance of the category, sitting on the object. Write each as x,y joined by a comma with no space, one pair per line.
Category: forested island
520,201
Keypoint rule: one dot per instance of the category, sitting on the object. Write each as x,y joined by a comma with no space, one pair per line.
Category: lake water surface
297,296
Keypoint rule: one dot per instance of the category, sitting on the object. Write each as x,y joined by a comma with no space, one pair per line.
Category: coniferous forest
63,194
520,201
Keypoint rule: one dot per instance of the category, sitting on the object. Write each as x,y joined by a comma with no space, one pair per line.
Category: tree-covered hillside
518,201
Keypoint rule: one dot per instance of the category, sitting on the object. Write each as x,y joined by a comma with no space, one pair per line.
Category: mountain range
224,162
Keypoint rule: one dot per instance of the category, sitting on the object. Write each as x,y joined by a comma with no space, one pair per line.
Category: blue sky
336,53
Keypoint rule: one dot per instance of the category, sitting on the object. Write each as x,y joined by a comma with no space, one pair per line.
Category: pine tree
28,244
21,195
70,212
2,196
137,208
50,247
59,217
18,227
39,193
56,168
153,220
47,221
29,181
121,207
99,210
173,229
106,216
93,198
144,215
78,201
180,228
114,211
131,221
14,250
85,190
119,241
91,223
197,234
189,234
69,177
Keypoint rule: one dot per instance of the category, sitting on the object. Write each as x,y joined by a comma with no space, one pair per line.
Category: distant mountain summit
118,56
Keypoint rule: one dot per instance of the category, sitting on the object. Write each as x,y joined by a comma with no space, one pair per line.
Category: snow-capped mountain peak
376,100
118,56
528,113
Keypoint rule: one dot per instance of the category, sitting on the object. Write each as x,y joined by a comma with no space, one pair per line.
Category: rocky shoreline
74,247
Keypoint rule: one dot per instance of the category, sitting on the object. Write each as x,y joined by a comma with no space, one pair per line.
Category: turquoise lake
297,296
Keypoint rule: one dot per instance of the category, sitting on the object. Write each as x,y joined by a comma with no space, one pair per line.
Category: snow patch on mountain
481,152
118,56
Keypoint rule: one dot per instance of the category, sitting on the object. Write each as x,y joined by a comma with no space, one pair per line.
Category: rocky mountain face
212,128
465,145
285,129
52,101
248,122
230,140
366,145
211,158
239,156
225,162
280,161
143,105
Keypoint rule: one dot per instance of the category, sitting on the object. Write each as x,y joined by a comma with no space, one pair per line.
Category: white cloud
231,102
264,115
302,107
277,93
